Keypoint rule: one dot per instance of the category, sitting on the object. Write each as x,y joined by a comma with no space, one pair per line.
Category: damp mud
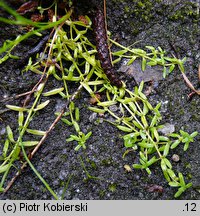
172,25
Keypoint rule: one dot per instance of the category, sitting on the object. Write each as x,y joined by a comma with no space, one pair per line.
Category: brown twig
15,97
187,81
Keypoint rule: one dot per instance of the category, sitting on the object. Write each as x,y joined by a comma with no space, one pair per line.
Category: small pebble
175,158
113,108
92,117
167,129
2,131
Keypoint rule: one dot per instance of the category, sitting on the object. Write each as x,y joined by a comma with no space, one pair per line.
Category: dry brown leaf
27,7
188,82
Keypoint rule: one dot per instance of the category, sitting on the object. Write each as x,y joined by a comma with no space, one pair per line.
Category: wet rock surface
134,71
156,23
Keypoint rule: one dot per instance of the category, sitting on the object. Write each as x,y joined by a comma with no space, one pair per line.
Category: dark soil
164,23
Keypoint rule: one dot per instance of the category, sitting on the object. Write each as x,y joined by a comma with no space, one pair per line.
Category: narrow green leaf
148,171
162,148
124,128
132,106
138,51
131,60
128,143
144,63
122,92
179,192
144,121
5,148
174,135
117,60
16,108
88,135
163,165
143,96
70,139
97,110
138,125
167,162
148,105
87,67
106,103
157,107
194,134
16,152
152,63
96,82
166,150
126,100
171,68
120,52
20,118
36,132
171,174
28,143
67,55
76,126
164,72
89,58
174,184
66,121
163,138
185,140
10,134
4,168
188,185
150,48
71,106
174,60
154,121
186,146
77,114
166,175
175,144
53,92
87,88
181,67
152,161
181,179
39,88
184,134
145,109
51,69
77,147
155,133
142,156
76,138
42,105
143,135
146,145
141,86
137,166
